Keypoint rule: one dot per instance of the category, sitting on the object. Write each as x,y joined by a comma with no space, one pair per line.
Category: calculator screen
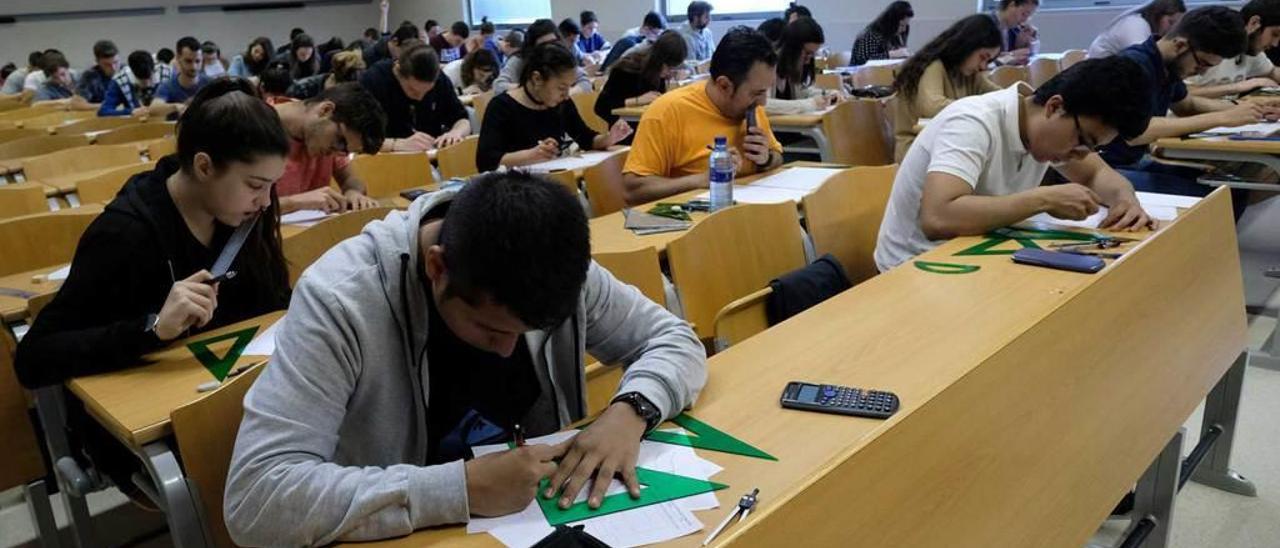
808,393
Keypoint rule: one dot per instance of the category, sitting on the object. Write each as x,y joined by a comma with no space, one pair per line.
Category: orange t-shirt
676,130
304,172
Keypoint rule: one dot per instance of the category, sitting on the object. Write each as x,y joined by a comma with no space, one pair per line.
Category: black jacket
436,113
123,269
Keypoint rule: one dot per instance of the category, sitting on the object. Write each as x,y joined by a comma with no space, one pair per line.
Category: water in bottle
721,175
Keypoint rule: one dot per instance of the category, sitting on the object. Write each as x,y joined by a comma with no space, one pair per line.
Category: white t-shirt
976,139
1127,31
453,69
1230,71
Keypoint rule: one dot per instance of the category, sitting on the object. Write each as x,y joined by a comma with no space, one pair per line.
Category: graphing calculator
840,400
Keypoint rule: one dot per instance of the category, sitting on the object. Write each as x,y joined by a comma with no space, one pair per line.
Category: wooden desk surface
66,184
775,120
1220,144
134,404
1031,398
608,232
13,308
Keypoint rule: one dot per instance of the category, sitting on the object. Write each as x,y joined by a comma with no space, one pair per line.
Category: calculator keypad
854,401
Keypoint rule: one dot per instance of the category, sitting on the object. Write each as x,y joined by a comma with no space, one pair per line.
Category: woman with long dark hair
474,73
886,37
302,57
140,277
539,32
1136,25
535,121
640,78
254,60
1019,39
793,91
949,67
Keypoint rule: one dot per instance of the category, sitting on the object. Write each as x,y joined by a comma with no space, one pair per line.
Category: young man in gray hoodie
435,330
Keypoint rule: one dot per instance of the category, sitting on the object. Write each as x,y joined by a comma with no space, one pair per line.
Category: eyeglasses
1201,66
1082,140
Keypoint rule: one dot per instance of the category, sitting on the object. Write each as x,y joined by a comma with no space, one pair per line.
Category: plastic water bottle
721,176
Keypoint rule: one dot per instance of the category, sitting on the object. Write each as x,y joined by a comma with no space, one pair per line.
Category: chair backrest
1006,75
42,240
20,199
586,103
80,160
206,432
36,146
103,188
458,160
18,115
829,80
1041,70
733,253
843,217
480,103
135,133
20,462
1071,57
301,250
875,75
388,173
13,134
860,132
604,184
567,178
55,119
160,148
87,125
742,318
639,268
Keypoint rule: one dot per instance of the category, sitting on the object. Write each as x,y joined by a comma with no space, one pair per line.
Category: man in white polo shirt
979,164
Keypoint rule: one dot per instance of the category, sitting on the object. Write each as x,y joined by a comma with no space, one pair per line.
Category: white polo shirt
1237,69
976,139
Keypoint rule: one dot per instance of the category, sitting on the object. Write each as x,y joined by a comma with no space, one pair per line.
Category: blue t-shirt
173,92
593,44
1165,88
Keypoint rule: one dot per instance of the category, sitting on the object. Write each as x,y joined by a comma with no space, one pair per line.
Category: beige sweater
935,91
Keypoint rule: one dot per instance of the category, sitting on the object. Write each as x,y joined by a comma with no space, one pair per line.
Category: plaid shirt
140,97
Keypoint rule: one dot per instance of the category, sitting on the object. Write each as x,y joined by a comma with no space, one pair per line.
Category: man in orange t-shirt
671,150
341,120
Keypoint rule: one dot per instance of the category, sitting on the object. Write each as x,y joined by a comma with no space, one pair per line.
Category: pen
517,435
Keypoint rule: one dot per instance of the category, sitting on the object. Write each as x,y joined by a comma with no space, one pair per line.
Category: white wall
232,31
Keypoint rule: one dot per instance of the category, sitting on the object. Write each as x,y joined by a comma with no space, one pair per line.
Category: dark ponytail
228,121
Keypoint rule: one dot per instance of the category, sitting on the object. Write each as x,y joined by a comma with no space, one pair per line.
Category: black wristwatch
643,407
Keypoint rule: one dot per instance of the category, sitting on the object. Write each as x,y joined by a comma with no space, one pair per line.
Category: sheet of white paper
647,525
1264,128
579,161
1090,222
60,274
265,343
752,194
1170,200
804,179
303,217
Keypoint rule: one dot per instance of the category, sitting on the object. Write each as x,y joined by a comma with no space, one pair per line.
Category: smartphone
1087,264
751,119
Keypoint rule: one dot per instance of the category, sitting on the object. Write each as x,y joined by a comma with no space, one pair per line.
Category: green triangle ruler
659,487
988,246
707,437
219,367
1026,238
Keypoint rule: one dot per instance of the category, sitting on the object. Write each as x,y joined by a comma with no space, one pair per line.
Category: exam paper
303,217
577,161
265,343
59,274
1263,129
1162,207
752,194
645,525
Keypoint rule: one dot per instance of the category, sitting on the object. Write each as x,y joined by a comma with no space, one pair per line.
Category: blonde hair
347,65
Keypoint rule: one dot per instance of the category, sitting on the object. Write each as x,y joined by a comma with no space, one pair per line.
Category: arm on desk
1124,211
1234,88
86,328
948,207
1176,126
283,487
663,358
637,189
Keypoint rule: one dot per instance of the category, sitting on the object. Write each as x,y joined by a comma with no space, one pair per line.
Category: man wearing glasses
1199,42
323,131
979,164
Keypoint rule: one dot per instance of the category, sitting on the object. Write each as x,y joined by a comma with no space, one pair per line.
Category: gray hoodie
334,435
